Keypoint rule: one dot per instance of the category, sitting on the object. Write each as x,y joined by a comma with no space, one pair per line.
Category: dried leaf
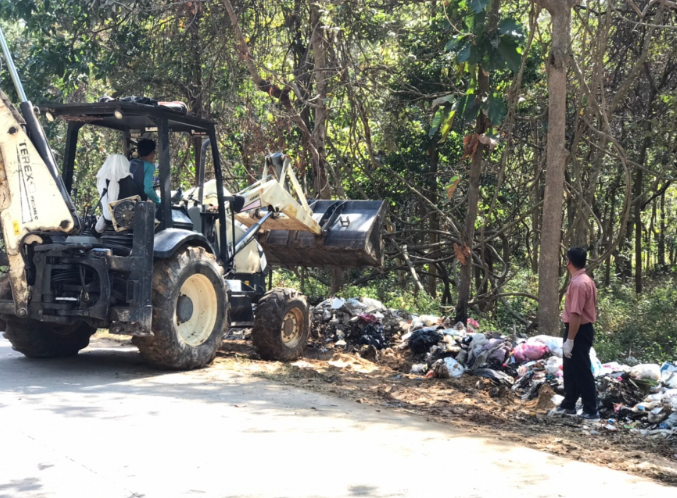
451,188
470,144
462,254
488,141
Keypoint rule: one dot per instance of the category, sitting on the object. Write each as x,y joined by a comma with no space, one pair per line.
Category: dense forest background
499,133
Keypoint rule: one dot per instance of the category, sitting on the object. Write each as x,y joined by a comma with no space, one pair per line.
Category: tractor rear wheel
190,307
281,325
36,339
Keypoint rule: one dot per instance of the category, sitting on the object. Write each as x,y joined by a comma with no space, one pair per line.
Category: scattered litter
419,369
557,399
337,303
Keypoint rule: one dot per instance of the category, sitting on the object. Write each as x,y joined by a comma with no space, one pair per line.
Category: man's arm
148,172
574,325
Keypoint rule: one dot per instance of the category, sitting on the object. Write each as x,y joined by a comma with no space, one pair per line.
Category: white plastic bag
419,369
646,371
337,303
455,368
372,304
553,366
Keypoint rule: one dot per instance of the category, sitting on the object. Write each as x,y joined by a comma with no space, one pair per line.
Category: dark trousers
578,379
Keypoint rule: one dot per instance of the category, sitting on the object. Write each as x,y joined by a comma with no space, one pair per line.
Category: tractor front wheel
190,307
281,325
36,339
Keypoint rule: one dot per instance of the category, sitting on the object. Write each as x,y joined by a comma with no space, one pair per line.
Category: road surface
104,425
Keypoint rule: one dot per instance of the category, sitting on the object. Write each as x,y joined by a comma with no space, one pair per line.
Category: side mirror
236,203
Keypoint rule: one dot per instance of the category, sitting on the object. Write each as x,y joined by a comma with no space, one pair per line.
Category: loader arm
30,200
290,214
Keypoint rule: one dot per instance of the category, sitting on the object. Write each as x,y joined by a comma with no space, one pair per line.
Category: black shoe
593,417
569,412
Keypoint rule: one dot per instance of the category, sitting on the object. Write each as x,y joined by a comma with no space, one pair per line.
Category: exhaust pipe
35,131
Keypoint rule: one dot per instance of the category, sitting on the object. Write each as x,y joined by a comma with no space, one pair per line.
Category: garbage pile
363,325
639,398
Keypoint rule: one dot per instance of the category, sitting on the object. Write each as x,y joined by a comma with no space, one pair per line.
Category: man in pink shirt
580,312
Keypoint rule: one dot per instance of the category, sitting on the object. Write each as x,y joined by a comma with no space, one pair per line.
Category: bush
643,327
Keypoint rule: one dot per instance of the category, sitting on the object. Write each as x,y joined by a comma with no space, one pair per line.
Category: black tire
170,347
278,311
36,339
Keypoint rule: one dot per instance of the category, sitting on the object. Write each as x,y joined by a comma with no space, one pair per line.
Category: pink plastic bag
529,352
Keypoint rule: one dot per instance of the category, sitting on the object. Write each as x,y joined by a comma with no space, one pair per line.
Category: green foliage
643,327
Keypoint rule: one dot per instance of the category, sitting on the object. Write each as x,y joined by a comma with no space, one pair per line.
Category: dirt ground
470,403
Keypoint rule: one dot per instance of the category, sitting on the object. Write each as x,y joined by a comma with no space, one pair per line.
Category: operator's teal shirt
149,182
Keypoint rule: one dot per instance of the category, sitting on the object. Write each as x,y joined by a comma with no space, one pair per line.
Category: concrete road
104,424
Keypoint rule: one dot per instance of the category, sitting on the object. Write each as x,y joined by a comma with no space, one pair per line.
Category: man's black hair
145,147
578,257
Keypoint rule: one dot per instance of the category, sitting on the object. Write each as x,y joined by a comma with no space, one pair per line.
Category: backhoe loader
174,277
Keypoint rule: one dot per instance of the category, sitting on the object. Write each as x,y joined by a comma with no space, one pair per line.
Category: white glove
568,348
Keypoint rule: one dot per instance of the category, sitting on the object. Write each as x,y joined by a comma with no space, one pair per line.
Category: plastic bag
553,366
422,340
455,368
669,374
523,369
596,366
372,304
337,303
529,351
646,371
554,344
419,368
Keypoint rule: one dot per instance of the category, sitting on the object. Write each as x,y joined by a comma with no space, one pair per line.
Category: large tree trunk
549,262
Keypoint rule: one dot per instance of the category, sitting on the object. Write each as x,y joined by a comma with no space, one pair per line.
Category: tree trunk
474,185
318,43
661,236
434,217
549,262
638,232
535,216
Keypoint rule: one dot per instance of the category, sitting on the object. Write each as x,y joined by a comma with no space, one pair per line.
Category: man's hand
568,347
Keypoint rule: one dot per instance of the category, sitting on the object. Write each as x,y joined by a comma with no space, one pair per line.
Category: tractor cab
135,120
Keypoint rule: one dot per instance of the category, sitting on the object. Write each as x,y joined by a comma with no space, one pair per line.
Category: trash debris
447,368
554,344
497,376
422,340
669,374
646,371
529,351
419,368
632,396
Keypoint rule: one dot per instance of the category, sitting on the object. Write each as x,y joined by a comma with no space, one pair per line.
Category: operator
143,169
579,314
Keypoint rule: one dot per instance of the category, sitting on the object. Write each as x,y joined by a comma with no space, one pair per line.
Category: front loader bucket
351,237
